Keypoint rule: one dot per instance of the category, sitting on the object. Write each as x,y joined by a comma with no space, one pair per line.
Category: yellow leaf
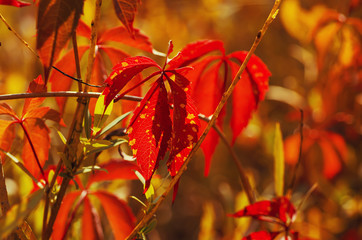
278,162
101,114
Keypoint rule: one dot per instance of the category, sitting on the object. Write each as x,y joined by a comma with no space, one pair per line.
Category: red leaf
39,135
120,216
261,235
6,109
193,51
120,34
83,29
64,211
60,82
248,92
279,208
126,11
14,3
91,225
186,124
115,170
57,19
150,130
123,73
36,86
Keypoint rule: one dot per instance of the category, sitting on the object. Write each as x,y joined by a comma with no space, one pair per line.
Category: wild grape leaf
57,19
14,3
126,11
123,72
7,133
153,129
211,76
120,216
150,130
33,125
333,148
280,209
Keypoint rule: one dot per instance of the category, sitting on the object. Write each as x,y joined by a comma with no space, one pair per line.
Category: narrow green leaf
278,162
94,146
22,167
150,191
87,122
90,169
113,123
101,113
16,215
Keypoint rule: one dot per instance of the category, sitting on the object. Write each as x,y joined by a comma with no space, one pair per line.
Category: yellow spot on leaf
132,142
113,75
190,116
143,116
194,129
124,64
182,105
134,151
189,137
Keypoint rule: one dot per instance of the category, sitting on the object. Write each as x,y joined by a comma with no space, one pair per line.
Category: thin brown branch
226,95
62,94
18,35
76,59
76,128
243,177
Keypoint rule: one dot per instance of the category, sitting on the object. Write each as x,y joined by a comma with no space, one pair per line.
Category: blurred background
312,49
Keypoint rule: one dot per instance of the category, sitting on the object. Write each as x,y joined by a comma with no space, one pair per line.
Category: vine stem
62,94
243,177
272,15
18,35
76,128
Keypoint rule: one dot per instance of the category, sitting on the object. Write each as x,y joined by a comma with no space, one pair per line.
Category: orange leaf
91,226
57,19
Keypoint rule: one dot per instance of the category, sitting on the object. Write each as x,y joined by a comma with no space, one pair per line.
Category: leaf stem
243,177
222,102
33,149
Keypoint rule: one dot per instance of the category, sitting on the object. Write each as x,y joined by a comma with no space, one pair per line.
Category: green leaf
94,146
150,191
101,113
16,215
278,162
87,122
113,123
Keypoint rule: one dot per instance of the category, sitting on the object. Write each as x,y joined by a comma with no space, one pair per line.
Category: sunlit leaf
101,113
57,19
112,124
126,11
278,162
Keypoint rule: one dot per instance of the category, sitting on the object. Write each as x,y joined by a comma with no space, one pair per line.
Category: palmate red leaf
279,209
120,216
150,130
126,11
116,169
185,125
248,92
123,72
14,3
62,217
57,19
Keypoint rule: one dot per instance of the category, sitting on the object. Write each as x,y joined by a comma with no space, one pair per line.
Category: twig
18,36
244,179
62,94
76,59
76,79
222,102
76,128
